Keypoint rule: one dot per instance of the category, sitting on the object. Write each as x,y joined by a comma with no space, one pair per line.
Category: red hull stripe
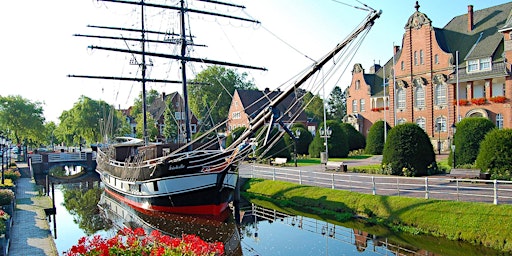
212,209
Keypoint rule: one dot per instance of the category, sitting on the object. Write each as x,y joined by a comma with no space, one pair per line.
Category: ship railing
439,187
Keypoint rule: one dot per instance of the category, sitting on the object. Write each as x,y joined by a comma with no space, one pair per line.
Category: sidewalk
31,233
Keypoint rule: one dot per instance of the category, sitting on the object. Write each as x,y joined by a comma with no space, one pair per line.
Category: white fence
62,157
470,190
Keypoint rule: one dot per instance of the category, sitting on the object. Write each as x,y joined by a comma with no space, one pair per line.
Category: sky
38,49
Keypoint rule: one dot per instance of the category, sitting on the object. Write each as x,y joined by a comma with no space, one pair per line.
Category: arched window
358,84
499,121
401,98
440,94
402,67
415,58
354,106
421,57
421,122
401,121
419,97
440,125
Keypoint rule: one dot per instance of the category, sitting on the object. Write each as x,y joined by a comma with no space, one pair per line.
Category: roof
484,40
254,101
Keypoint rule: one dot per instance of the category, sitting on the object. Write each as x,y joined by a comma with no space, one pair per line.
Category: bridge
43,162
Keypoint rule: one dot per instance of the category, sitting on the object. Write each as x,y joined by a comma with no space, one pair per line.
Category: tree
151,95
470,132
314,106
212,89
151,128
90,121
495,154
22,120
337,104
337,142
356,140
305,138
279,149
408,151
375,138
171,129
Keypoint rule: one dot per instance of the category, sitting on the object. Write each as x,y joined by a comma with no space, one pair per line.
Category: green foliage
6,196
235,133
21,120
89,121
303,140
314,106
408,151
356,140
337,104
151,96
82,204
495,155
171,130
212,91
279,149
152,130
375,138
470,132
337,143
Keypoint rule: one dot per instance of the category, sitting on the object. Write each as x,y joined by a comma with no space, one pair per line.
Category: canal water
84,209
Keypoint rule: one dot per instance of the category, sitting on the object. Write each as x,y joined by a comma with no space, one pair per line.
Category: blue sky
38,50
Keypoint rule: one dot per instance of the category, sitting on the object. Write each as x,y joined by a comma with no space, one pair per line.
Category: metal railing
469,190
62,157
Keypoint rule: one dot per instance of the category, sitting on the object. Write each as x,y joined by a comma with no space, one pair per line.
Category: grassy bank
478,223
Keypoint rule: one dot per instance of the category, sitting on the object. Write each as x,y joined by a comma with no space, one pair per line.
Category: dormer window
477,65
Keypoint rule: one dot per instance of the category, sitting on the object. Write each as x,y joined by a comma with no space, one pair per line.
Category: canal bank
31,234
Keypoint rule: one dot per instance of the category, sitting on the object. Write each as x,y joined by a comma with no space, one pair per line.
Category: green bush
279,149
304,140
337,143
408,151
235,132
375,138
495,155
470,133
6,196
356,140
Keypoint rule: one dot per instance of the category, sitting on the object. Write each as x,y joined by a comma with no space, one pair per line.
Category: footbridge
43,162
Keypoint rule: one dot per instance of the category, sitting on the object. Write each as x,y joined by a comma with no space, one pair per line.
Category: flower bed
478,101
136,242
498,99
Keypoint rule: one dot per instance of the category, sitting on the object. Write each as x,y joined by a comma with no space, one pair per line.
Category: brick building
441,75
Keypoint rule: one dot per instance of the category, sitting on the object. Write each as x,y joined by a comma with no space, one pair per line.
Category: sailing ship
189,179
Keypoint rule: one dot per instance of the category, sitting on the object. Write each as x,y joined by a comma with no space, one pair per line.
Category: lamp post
325,134
2,144
454,129
295,139
438,128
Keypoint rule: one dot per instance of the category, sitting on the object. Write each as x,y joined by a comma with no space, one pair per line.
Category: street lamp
295,139
454,129
325,134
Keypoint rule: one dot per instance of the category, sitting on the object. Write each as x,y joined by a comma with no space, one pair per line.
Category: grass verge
477,223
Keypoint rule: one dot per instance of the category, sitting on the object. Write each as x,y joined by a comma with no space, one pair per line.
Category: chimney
470,18
396,48
163,95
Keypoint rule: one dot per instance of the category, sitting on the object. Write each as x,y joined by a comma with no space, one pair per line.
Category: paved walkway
31,233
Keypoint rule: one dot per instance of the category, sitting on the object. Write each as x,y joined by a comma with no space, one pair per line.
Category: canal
84,209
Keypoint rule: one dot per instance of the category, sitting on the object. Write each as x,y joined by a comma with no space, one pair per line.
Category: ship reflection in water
221,228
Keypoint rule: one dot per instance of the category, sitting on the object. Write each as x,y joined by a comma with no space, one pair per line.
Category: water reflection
64,171
220,228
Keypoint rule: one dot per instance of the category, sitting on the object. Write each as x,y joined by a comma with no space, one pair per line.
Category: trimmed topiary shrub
279,149
408,151
470,133
337,143
304,140
356,140
495,155
375,138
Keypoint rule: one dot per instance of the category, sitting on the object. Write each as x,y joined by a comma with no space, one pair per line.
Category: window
436,59
193,128
499,121
354,106
402,67
361,105
476,65
419,97
440,125
440,94
401,121
498,90
421,122
415,58
358,84
236,115
401,98
421,57
179,115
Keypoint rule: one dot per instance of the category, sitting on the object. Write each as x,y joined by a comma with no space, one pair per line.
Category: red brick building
465,62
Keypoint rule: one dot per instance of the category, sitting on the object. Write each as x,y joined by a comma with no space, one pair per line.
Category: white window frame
361,105
478,65
440,120
440,94
401,98
419,97
499,121
354,106
421,122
